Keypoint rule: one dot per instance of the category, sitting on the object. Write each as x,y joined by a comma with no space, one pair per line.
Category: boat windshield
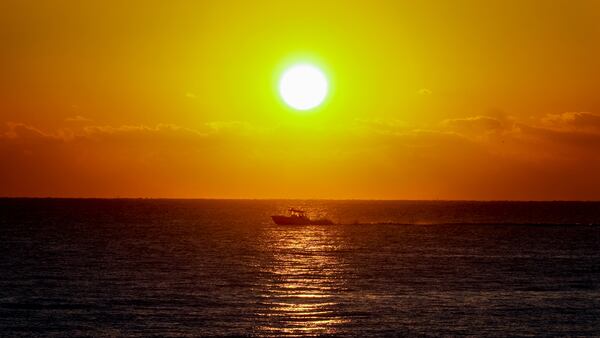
297,212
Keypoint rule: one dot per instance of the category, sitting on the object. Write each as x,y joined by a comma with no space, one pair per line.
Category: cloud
556,139
21,130
78,118
477,124
235,127
471,157
424,91
159,129
573,121
540,136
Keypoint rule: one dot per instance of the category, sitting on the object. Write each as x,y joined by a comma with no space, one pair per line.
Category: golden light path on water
299,297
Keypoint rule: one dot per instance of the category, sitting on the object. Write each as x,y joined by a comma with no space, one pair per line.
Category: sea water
221,267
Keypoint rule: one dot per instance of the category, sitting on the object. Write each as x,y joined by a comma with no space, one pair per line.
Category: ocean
140,267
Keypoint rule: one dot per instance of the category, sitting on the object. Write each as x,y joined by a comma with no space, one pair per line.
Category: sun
303,87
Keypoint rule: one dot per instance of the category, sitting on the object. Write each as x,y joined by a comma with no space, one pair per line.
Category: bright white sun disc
303,87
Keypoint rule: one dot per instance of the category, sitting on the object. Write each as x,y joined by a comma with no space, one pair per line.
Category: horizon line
290,199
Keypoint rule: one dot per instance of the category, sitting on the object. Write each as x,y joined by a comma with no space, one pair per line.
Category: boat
298,217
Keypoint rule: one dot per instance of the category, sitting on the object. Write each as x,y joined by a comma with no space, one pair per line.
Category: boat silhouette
298,217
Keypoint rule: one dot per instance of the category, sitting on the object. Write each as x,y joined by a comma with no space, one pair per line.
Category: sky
494,100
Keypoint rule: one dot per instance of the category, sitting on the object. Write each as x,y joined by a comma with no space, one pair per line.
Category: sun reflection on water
299,294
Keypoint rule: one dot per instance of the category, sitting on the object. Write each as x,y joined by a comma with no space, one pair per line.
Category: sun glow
303,87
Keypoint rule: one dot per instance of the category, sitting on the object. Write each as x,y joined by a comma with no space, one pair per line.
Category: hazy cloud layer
475,157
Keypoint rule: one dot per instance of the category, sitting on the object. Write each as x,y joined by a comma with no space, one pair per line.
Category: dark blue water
193,267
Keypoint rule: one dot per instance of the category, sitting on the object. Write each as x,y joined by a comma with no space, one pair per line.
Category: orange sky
430,99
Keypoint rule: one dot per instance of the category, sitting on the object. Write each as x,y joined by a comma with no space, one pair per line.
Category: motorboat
298,217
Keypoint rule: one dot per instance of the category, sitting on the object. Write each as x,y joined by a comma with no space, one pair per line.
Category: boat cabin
297,212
